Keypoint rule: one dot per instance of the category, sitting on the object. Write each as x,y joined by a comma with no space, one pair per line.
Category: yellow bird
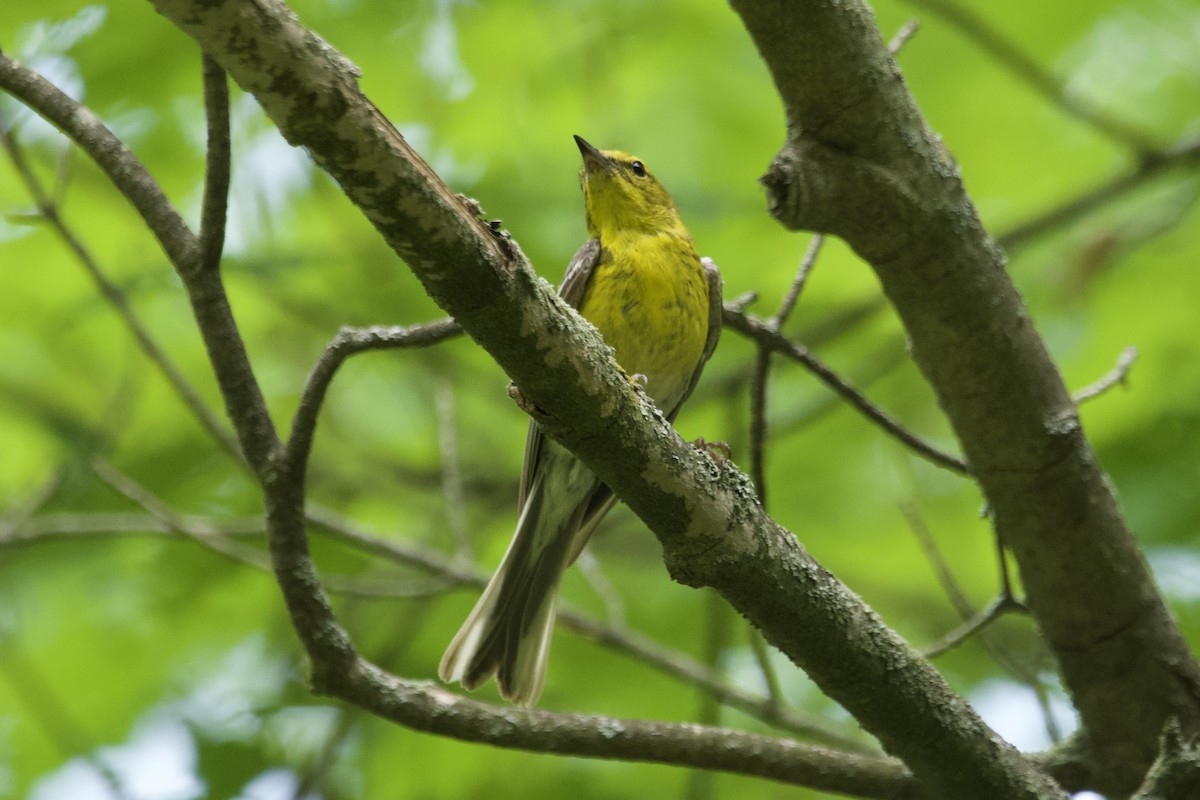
658,305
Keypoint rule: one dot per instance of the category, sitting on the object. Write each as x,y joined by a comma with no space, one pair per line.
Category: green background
152,663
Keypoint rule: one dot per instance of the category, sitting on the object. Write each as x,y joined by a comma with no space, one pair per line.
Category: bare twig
758,421
256,436
975,622
1004,604
763,657
429,708
758,330
618,638
762,369
346,343
1113,377
593,574
67,526
211,539
17,515
444,575
901,37
798,283
121,166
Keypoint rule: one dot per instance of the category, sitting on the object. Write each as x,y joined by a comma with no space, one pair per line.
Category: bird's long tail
508,632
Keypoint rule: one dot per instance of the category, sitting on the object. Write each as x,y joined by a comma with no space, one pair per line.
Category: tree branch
215,204
861,162
773,341
226,351
424,707
117,298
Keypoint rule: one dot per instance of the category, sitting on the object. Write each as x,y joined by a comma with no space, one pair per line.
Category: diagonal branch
773,341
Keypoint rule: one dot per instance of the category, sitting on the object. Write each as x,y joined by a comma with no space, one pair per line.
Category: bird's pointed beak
593,159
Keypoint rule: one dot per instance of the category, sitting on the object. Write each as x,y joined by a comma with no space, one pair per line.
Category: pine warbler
640,282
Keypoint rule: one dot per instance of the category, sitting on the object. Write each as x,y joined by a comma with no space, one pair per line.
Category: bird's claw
522,402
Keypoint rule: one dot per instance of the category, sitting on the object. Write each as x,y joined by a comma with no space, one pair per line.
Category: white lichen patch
665,476
1062,423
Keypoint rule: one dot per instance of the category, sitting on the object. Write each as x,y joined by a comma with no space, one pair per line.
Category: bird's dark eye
638,168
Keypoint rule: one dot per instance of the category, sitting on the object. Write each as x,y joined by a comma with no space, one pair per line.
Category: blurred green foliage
143,665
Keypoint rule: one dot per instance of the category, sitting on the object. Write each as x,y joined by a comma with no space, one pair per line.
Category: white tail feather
508,632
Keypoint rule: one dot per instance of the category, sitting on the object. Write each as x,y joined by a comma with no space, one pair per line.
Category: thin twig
1002,605
756,329
805,269
1113,377
118,162
762,656
67,526
444,575
313,774
758,421
1006,582
690,671
17,515
347,342
762,370
257,439
593,574
901,37
975,623
623,640
618,638
153,505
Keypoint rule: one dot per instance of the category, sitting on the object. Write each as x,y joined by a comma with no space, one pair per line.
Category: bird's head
622,196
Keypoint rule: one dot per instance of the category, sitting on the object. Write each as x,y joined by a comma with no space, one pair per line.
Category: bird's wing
716,313
574,284
579,273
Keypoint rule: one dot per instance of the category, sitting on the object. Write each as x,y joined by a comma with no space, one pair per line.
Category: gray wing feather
716,315
572,289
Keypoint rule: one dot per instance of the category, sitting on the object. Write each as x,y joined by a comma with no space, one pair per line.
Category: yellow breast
649,299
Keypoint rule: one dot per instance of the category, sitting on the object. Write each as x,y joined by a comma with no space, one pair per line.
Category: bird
639,280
